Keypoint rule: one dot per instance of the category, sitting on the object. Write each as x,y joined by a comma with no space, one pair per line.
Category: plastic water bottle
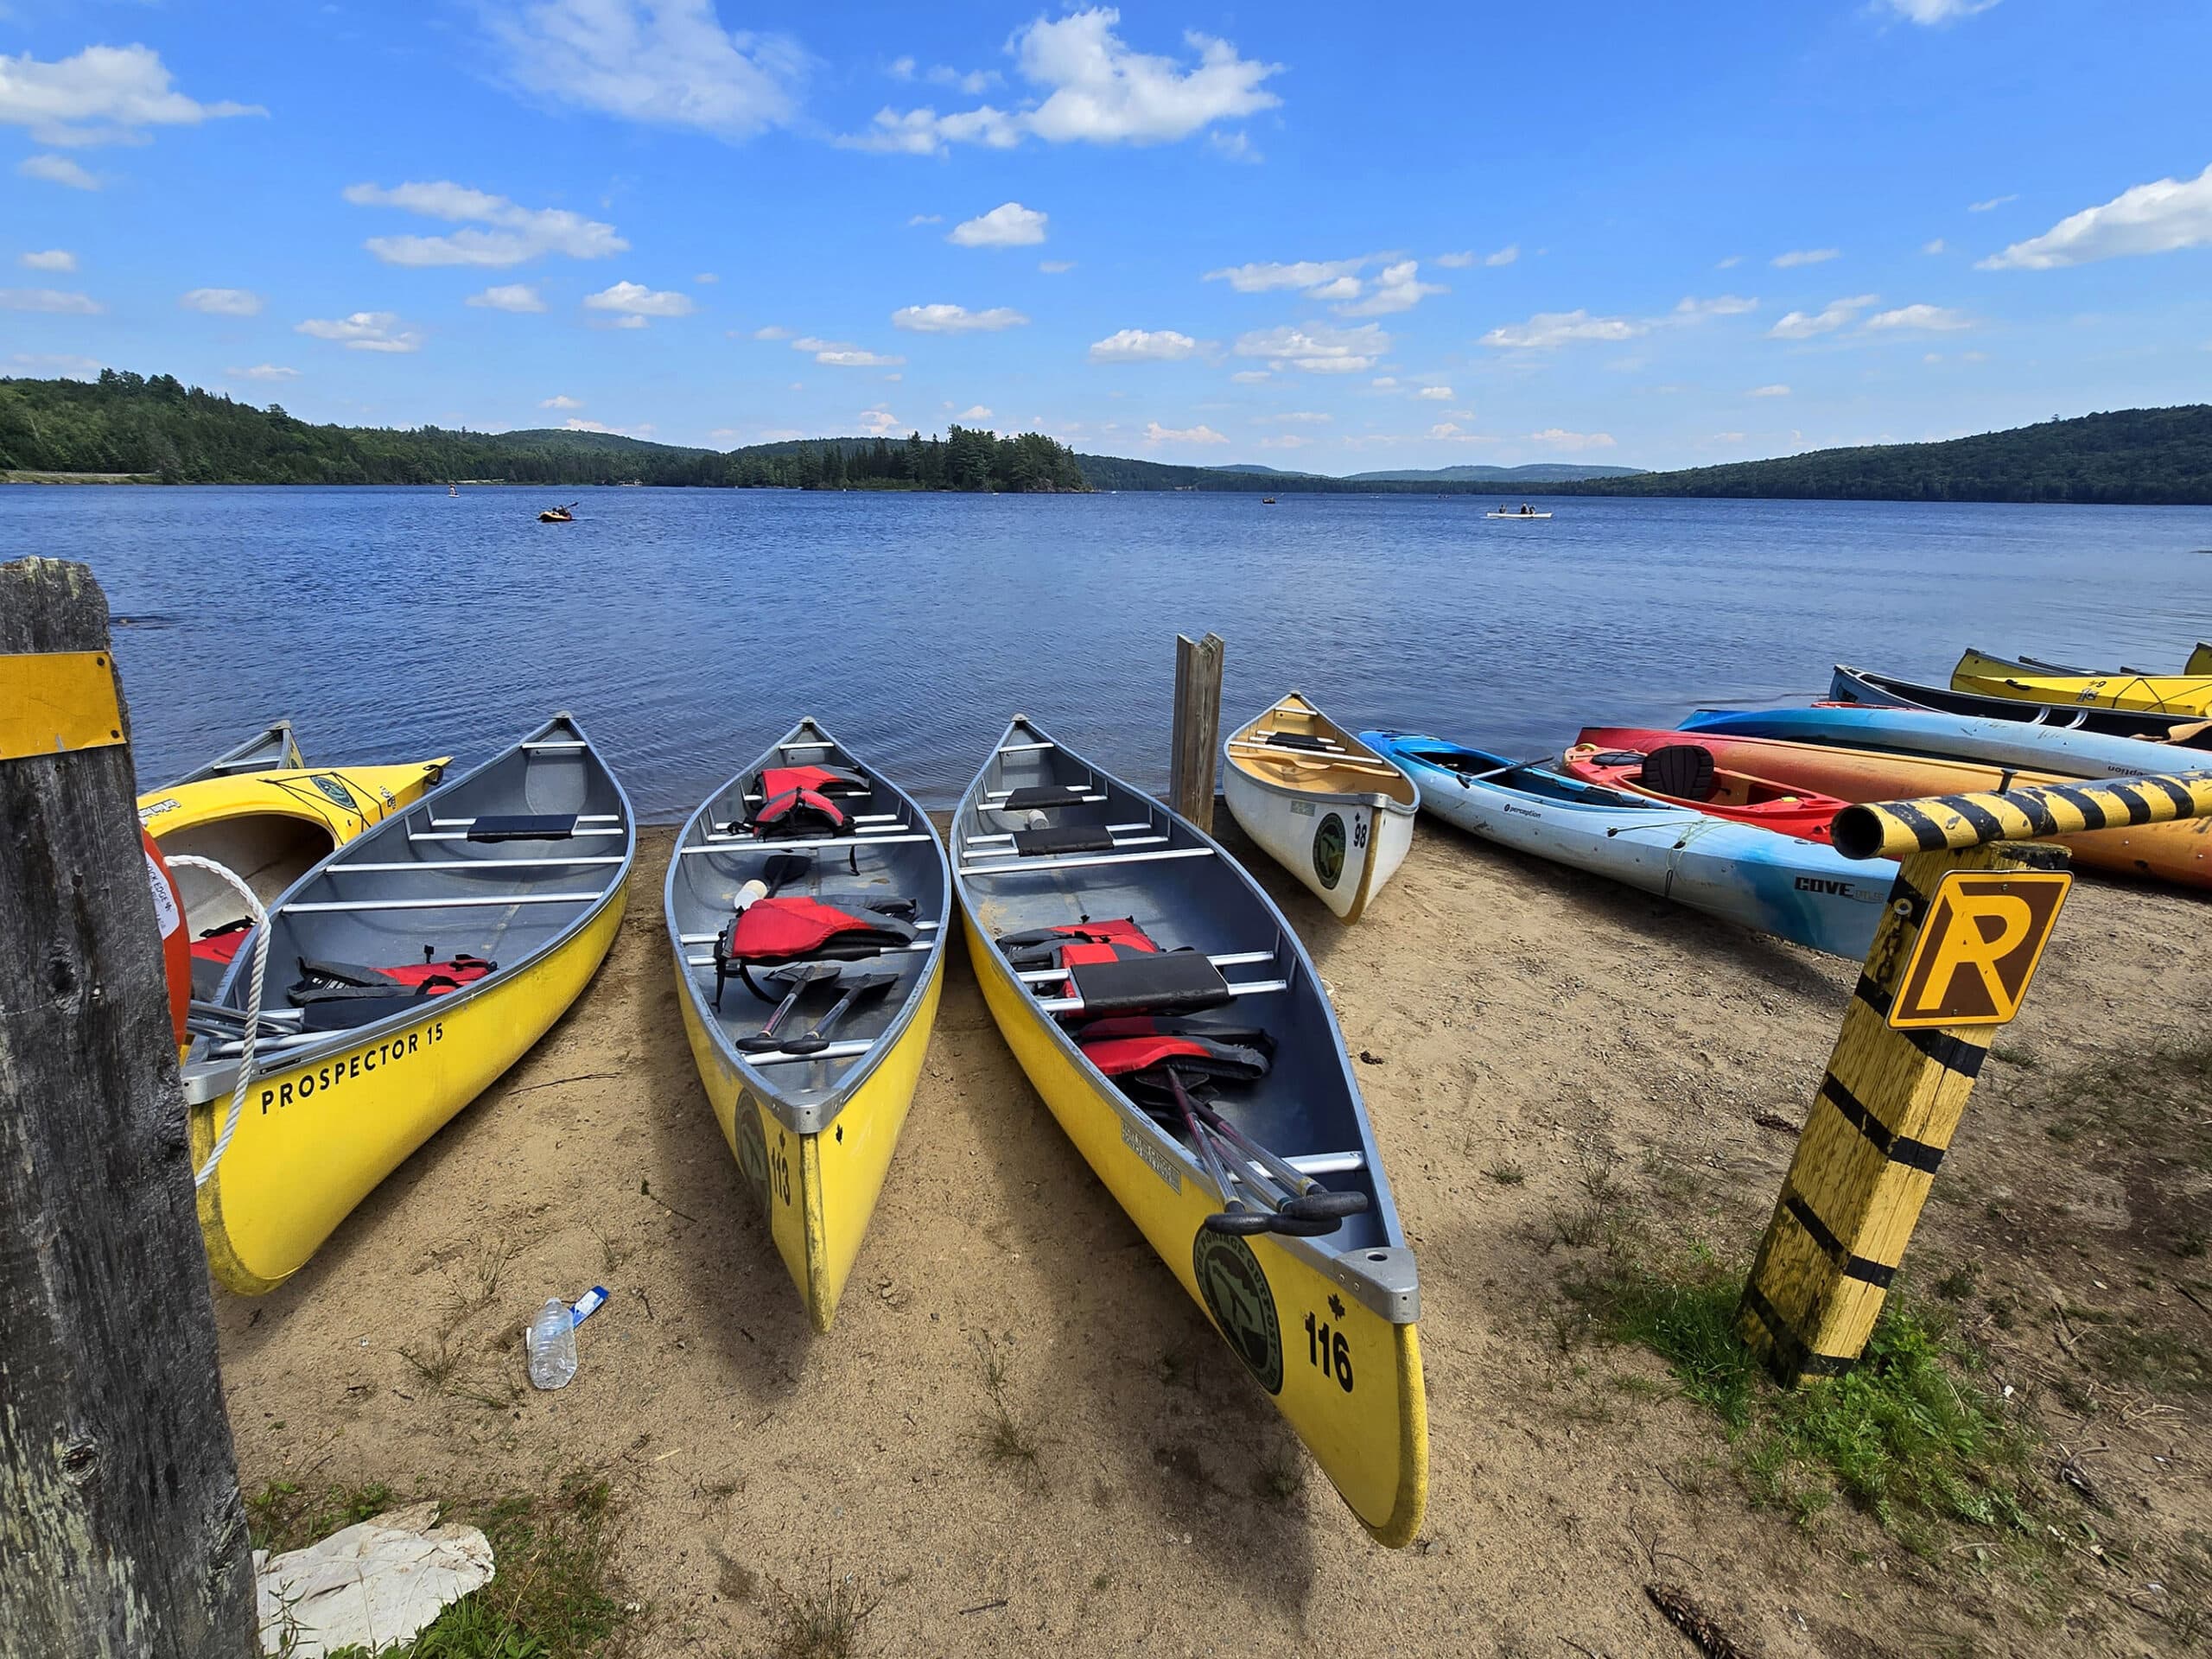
553,1345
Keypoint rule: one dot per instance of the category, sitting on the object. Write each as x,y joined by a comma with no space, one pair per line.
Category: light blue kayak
1799,890
1955,737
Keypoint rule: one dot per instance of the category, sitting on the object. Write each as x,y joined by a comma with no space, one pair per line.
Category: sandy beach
1643,1070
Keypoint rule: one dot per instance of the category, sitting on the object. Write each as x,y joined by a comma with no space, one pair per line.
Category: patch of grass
284,1514
1004,1440
2011,1055
1281,1480
821,1624
435,1366
476,1286
2157,1360
1506,1173
1958,1284
1906,1435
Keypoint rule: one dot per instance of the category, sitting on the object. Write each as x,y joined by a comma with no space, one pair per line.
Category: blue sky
1651,235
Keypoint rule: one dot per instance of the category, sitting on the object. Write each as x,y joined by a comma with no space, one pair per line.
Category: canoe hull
817,1193
1365,1417
2000,677
1955,737
317,1137
1342,848
1798,890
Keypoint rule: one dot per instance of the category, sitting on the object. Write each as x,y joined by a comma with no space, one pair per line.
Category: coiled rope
253,904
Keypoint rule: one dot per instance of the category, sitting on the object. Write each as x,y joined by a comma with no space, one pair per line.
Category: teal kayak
1955,737
1798,890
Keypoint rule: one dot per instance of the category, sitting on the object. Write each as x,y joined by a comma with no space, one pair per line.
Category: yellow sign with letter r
1979,948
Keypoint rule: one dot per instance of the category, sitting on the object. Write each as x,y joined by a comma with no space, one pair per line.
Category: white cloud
1056,267
1251,377
1285,440
561,400
56,169
1937,246
51,300
666,63
1155,433
838,355
1299,416
1932,12
977,413
1729,263
879,421
1559,439
1775,390
58,365
1093,88
1693,309
1504,256
643,430
1317,348
1804,256
954,318
1920,319
1140,346
634,303
104,95
1236,146
1383,382
1344,288
508,296
1799,324
772,331
1446,429
269,371
1397,288
1435,394
1549,330
50,259
1307,274
365,331
1992,204
1009,224
517,233
925,219
1460,261
222,302
2155,217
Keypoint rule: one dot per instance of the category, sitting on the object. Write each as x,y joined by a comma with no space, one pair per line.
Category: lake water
690,628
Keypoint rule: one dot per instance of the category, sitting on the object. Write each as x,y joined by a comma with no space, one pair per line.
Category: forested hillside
2140,456
128,424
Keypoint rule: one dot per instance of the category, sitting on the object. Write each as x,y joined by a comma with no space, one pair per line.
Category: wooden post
1197,728
126,1534
1898,1082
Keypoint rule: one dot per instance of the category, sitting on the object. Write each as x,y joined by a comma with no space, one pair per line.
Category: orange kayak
2180,853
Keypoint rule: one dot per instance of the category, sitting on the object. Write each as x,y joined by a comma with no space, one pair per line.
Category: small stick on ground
983,1607
555,1082
1694,1621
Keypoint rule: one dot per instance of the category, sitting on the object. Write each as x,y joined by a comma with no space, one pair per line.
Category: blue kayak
1956,737
1799,890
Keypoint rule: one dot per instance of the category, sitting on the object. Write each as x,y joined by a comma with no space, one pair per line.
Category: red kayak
1675,767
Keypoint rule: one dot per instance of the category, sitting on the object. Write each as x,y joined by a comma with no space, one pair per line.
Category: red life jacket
341,981
1065,947
796,800
221,944
1127,1044
771,931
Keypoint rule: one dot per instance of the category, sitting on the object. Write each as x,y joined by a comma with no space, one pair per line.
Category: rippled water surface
690,628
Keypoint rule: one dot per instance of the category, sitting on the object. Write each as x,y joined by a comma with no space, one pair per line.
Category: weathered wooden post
1197,727
123,1528
1968,916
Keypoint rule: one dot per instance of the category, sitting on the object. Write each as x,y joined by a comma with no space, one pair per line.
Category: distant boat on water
558,515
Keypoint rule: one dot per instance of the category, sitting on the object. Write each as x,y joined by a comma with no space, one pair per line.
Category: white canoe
1327,808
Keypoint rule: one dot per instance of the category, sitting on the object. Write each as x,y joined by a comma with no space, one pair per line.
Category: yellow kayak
1169,1018
409,970
810,1099
2200,660
269,826
2003,676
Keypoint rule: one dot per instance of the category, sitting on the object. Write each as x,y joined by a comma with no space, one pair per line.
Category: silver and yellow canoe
1320,802
813,1123
406,972
2020,680
1325,1322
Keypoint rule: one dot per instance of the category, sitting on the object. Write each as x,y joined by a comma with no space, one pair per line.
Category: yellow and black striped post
1893,1095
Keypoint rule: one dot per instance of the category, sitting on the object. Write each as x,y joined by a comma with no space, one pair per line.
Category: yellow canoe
2003,676
1325,1324
2200,660
405,973
812,1118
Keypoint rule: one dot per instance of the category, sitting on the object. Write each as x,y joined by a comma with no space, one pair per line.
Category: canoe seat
1159,982
1034,797
1684,769
1299,740
1062,838
523,826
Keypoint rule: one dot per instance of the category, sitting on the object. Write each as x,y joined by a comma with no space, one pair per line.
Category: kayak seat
1156,982
1062,838
1684,769
523,826
1035,798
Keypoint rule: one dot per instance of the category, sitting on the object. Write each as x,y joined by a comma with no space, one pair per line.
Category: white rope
253,1000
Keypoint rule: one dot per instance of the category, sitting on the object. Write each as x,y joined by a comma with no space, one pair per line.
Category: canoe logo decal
751,1148
1329,850
336,793
1237,1296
